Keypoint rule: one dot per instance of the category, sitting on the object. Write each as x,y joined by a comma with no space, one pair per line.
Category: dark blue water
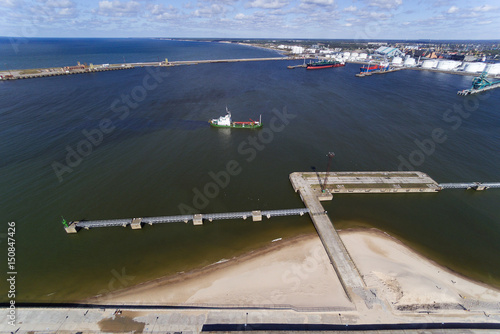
22,53
158,151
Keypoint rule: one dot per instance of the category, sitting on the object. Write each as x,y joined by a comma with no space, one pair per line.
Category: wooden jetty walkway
197,219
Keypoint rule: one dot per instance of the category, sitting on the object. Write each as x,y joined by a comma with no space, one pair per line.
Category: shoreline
418,253
219,265
265,278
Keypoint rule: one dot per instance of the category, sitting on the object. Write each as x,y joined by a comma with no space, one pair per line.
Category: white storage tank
409,62
397,61
447,65
474,67
347,55
429,63
362,56
493,69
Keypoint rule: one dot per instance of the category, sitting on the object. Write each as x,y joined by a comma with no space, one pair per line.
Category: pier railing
197,219
470,185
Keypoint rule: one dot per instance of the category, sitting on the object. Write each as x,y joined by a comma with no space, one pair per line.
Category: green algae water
137,143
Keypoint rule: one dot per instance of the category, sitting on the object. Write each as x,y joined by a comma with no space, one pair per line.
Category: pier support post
198,219
136,223
256,216
72,227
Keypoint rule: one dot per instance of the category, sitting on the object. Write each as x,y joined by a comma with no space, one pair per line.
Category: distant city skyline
301,19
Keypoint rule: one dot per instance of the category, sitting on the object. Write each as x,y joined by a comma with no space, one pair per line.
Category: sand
294,272
297,272
409,281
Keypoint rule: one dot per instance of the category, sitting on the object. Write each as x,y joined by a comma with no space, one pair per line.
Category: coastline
287,265
296,273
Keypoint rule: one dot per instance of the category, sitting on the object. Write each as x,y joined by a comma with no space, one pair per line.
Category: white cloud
160,12
319,2
350,9
452,10
59,3
484,8
61,8
268,4
118,8
209,11
10,3
240,16
385,4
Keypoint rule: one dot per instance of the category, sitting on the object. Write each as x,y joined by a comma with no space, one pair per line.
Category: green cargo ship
225,122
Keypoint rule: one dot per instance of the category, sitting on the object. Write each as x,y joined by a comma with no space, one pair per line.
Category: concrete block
136,223
325,197
72,227
198,219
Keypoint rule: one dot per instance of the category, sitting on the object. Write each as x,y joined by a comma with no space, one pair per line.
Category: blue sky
361,19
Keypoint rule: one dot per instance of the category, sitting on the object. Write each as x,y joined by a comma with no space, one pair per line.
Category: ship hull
317,67
373,68
237,126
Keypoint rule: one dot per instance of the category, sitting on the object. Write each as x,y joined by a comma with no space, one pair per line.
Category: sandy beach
298,273
409,281
294,272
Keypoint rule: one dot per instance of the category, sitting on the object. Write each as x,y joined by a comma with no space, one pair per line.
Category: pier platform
371,182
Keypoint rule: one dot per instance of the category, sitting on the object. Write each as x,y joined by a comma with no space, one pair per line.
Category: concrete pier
372,182
345,268
57,71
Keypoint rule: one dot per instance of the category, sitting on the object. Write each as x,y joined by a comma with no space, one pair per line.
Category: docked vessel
324,64
373,68
226,122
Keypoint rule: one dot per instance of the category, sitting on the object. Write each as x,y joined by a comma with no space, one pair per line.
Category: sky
291,19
